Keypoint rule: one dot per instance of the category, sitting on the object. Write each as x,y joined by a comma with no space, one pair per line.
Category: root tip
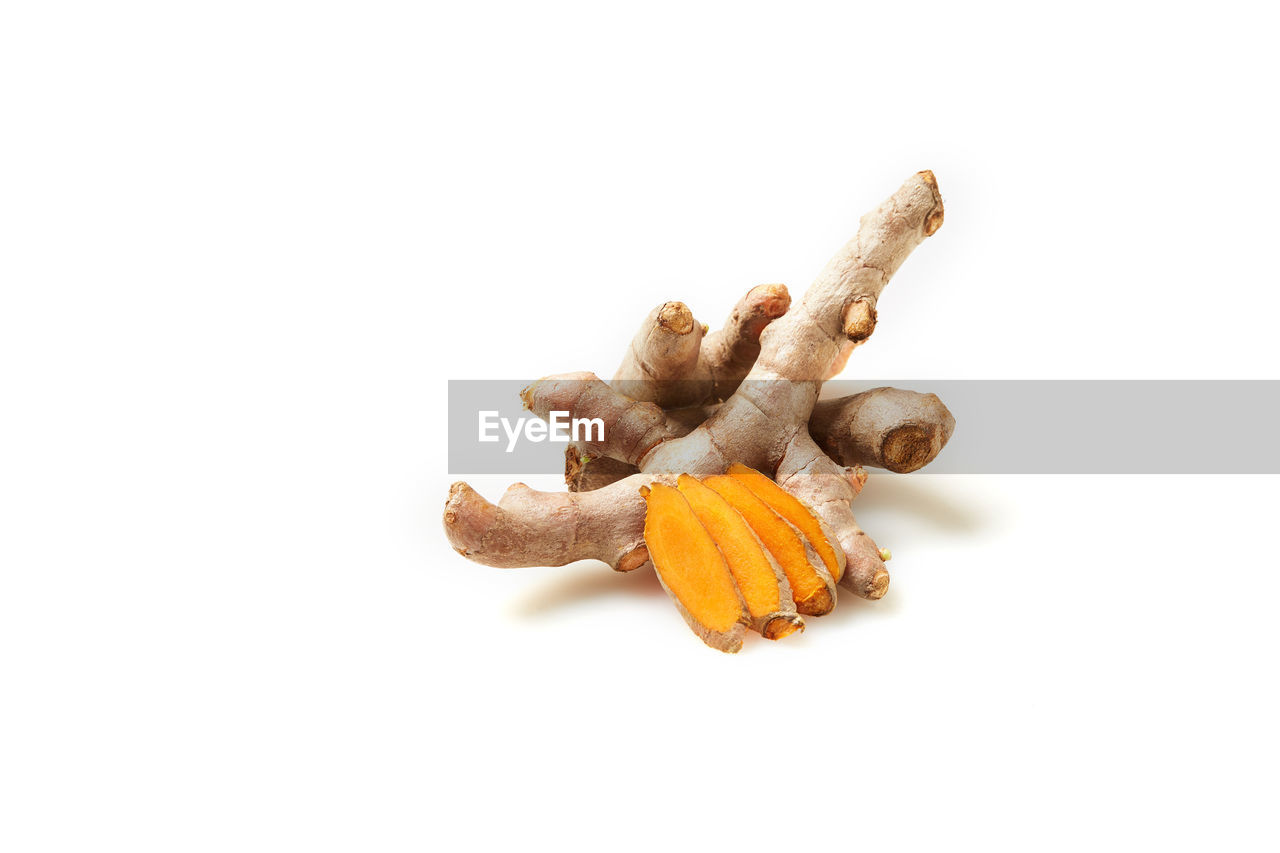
467,518
879,585
772,299
907,448
933,221
676,317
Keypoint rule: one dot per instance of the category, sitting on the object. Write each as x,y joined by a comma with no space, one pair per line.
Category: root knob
859,320
907,448
933,220
676,317
879,585
773,299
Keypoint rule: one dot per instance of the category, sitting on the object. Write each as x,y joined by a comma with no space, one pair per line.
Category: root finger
532,528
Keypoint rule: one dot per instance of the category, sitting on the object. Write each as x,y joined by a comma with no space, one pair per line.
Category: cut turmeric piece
761,581
692,569
789,507
812,588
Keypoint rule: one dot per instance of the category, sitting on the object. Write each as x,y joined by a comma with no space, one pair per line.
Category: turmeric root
767,366
761,581
692,569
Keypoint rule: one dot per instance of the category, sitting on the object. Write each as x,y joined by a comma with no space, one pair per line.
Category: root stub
859,320
879,585
889,428
906,448
676,317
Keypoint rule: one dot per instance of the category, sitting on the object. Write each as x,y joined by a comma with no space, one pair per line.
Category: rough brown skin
762,424
691,389
600,525
660,366
890,428
667,346
901,431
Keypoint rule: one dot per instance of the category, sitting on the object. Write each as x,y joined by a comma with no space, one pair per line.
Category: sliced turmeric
760,579
789,507
692,569
811,585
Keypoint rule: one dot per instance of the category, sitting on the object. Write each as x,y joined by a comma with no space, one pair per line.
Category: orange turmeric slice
759,578
692,569
811,585
789,507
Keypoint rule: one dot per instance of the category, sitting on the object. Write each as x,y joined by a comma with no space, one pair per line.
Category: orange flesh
789,507
747,561
808,588
688,560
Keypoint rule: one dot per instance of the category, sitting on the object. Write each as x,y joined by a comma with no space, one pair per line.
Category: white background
244,245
